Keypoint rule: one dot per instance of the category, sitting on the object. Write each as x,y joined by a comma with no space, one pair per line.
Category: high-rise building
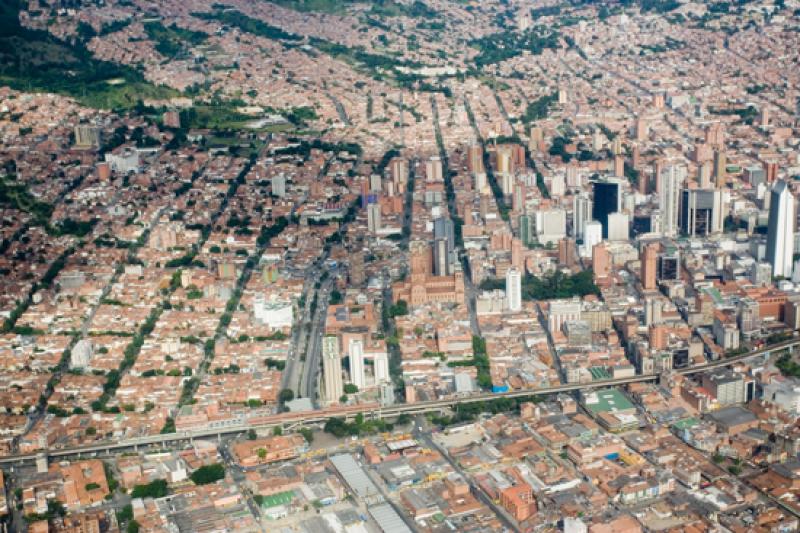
331,369
480,181
527,229
374,218
433,169
356,353
648,265
475,158
566,252
652,311
279,185
607,200
398,169
618,227
720,169
551,225
513,289
601,261
592,235
562,311
381,367
671,180
87,136
619,166
701,212
780,230
669,266
516,253
582,214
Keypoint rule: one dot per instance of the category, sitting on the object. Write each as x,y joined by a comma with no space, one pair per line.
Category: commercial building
607,200
780,229
331,369
514,289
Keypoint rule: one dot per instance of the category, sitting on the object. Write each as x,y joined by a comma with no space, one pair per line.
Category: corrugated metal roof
388,519
354,476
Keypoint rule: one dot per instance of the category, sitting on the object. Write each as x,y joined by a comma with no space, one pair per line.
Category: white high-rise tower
671,181
513,289
331,369
357,375
780,231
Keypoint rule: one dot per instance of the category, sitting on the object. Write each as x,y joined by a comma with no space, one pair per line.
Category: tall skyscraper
648,261
374,218
331,369
356,353
720,169
582,214
607,200
701,212
600,261
592,235
780,231
513,289
671,181
475,158
619,227
527,229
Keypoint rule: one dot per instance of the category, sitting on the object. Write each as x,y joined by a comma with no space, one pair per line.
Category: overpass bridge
371,411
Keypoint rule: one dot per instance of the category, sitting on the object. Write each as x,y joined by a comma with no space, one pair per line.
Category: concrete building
780,229
356,353
87,136
551,225
374,217
592,235
727,386
581,215
274,313
618,227
701,212
607,199
514,289
648,265
562,311
331,369
669,194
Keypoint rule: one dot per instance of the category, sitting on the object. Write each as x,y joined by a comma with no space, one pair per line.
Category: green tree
307,434
208,474
286,395
154,489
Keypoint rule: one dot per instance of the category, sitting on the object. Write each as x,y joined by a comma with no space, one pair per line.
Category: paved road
424,436
320,416
308,383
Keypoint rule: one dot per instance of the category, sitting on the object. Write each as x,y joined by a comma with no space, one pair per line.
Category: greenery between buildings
208,474
154,489
551,286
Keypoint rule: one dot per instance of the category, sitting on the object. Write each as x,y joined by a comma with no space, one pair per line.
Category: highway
374,411
308,382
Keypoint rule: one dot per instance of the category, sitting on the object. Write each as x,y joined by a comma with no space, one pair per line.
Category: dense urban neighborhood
396,266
